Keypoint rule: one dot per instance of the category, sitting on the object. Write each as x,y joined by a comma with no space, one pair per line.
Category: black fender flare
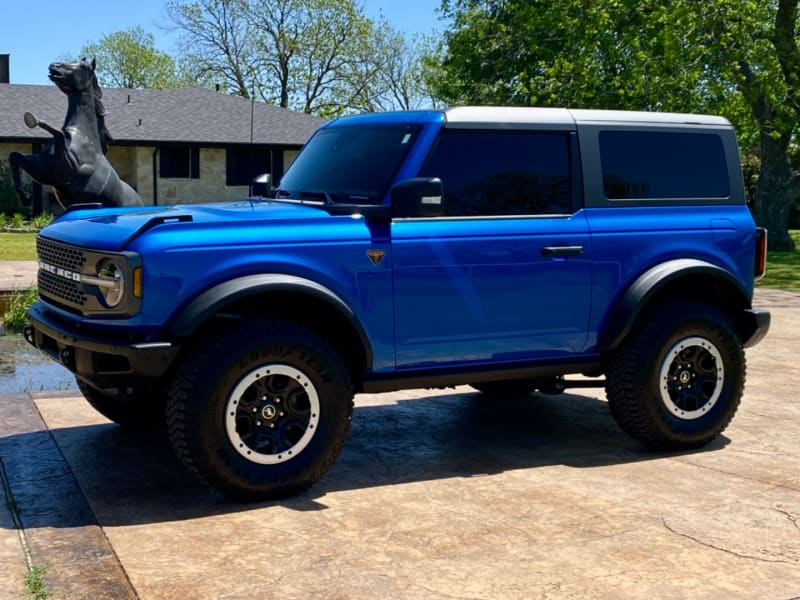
211,301
630,305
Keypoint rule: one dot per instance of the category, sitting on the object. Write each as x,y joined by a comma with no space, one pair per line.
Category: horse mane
100,113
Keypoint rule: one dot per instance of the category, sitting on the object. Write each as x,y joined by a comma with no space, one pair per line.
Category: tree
318,56
755,47
403,81
129,59
738,58
219,42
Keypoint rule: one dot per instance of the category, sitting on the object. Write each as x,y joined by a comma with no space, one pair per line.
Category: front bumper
94,357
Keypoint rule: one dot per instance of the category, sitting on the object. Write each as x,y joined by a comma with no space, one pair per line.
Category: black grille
60,256
64,289
55,286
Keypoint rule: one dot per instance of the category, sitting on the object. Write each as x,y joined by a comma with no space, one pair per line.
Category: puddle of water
24,369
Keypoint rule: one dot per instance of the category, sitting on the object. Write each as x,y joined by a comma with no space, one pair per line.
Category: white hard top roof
521,116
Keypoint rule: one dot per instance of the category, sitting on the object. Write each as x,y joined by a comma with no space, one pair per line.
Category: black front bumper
94,357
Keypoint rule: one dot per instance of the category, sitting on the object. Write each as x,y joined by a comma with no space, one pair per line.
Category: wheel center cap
684,377
268,412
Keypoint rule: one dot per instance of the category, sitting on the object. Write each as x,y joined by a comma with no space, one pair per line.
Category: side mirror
261,185
418,197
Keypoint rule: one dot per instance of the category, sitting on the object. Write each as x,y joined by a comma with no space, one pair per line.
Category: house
172,146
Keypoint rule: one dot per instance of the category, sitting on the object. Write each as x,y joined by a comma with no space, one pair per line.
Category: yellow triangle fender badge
376,256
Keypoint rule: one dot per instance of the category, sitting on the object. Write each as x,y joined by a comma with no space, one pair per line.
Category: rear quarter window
660,165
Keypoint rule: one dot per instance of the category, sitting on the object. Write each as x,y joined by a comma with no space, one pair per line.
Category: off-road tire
265,365
677,380
142,410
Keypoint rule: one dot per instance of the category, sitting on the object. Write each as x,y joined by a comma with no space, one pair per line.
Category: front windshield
349,165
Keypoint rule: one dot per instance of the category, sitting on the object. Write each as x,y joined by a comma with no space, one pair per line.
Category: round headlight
112,282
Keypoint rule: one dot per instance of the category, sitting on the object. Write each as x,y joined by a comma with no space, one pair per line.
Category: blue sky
38,32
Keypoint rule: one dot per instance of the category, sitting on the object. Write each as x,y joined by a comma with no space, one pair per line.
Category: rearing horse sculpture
74,161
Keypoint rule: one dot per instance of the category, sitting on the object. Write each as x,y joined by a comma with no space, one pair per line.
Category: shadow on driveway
133,478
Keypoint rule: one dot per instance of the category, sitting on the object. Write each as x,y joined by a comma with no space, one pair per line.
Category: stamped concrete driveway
438,494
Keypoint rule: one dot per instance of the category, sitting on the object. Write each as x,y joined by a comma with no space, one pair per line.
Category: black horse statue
74,161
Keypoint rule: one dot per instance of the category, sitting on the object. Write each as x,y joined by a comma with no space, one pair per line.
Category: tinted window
243,164
179,161
640,164
501,173
350,164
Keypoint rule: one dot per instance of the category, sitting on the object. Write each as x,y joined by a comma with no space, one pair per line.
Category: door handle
559,251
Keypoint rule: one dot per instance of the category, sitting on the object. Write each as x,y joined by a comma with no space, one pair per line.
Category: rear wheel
261,409
677,381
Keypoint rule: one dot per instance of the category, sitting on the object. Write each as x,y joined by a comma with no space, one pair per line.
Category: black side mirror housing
418,197
261,185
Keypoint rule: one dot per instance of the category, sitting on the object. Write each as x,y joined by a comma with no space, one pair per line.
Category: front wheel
260,410
677,381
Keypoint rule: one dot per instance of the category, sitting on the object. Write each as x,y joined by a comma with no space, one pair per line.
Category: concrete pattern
438,494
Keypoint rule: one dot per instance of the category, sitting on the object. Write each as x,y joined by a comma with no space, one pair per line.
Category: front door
505,275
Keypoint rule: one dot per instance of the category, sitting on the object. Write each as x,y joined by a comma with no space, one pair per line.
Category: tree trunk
776,191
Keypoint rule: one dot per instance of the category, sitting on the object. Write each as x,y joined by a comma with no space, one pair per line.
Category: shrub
21,300
18,221
41,221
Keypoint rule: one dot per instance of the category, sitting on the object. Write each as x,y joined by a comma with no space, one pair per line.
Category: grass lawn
783,268
17,246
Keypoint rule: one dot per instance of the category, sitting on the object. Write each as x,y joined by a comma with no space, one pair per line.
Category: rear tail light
760,266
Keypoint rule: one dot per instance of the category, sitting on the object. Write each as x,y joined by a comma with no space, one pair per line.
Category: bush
18,221
21,300
41,221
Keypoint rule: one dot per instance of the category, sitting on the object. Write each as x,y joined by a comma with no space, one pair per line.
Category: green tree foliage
738,58
9,199
318,56
129,59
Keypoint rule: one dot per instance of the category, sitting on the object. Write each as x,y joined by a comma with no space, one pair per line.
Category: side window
488,173
243,164
657,164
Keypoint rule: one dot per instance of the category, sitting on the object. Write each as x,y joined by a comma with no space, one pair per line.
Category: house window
243,164
179,162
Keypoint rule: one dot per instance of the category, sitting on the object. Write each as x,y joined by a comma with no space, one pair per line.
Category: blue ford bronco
504,248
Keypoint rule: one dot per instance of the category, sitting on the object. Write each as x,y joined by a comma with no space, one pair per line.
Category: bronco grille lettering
59,271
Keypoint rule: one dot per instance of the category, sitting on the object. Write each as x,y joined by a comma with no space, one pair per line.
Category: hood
115,229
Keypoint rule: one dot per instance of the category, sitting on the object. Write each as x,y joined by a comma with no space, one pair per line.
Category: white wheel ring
665,378
231,410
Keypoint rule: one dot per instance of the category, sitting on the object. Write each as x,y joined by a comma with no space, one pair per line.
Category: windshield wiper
279,193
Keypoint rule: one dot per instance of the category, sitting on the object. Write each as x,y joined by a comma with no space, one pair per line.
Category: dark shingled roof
144,117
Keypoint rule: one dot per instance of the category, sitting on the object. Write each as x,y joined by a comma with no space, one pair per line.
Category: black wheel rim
691,378
272,414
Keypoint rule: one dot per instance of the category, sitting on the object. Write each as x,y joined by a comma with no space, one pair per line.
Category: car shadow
132,478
